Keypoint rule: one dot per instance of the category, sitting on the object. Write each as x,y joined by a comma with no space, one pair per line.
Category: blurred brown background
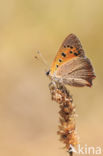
28,117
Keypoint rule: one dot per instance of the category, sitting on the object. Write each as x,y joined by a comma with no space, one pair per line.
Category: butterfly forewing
70,48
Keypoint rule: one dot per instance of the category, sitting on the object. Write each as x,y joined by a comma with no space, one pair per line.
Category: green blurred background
28,117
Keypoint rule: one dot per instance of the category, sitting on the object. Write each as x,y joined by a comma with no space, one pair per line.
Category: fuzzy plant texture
67,125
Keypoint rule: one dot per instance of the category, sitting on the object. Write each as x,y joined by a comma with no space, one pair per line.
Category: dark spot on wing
63,54
71,47
75,54
70,52
60,60
79,52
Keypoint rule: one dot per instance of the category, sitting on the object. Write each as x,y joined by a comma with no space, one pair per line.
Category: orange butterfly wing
70,48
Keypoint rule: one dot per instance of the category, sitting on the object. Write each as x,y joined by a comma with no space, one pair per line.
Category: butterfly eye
57,66
63,54
64,46
47,73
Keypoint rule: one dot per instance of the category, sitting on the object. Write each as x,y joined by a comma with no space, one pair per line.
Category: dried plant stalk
67,127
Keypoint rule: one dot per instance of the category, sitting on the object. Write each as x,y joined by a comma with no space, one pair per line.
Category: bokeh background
28,118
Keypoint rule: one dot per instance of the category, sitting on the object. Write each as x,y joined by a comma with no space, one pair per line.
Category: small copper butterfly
70,65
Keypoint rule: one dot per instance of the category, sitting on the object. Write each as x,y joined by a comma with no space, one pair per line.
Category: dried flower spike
67,128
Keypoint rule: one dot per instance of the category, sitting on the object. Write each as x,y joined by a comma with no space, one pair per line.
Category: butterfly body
70,65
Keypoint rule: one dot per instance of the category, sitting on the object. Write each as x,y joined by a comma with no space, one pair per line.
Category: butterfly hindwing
78,72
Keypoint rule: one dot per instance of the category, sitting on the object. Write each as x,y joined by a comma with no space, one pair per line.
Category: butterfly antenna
43,60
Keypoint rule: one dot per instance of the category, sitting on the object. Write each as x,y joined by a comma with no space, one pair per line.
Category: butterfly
70,65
